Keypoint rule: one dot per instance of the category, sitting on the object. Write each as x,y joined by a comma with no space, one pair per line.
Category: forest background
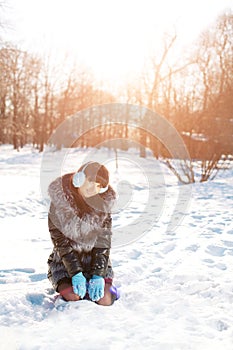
191,88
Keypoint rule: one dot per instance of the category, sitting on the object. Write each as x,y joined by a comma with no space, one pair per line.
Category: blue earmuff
103,189
80,177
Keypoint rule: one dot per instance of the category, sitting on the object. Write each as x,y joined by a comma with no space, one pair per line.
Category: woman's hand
79,284
96,288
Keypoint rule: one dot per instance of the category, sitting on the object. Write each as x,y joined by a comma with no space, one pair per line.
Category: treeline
193,92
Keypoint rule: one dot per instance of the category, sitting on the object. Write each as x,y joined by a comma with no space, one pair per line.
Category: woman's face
89,188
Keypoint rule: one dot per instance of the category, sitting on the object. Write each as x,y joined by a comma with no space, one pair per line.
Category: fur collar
82,229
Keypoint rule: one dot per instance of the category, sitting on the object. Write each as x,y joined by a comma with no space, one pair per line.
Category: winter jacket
76,234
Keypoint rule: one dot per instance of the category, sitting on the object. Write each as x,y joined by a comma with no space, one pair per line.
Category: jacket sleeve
101,251
100,258
69,258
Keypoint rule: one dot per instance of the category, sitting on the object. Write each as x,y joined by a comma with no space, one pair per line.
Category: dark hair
96,172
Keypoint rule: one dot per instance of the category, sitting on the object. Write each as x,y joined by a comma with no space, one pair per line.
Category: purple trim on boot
115,292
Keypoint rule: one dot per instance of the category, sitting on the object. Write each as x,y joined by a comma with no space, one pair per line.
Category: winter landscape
142,87
176,286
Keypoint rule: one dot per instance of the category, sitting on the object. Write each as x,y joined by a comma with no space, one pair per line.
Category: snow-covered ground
176,285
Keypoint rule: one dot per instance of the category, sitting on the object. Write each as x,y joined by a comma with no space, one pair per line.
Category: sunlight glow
111,37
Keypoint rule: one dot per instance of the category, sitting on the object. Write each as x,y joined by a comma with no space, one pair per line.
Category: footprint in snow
193,247
18,275
134,254
38,277
215,250
168,248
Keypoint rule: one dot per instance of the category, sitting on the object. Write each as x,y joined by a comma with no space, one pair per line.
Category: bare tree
209,127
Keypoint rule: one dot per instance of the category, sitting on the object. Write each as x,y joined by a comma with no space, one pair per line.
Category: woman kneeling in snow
80,227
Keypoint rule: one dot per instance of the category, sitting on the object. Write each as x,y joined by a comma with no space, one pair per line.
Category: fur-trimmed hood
83,229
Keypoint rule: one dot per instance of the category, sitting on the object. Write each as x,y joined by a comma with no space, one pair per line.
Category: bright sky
111,36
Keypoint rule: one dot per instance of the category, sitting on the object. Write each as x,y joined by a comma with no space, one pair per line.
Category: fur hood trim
82,230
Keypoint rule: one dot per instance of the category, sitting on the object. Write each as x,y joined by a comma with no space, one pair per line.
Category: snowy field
176,286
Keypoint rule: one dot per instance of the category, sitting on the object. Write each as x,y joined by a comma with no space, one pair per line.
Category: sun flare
113,38
112,45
